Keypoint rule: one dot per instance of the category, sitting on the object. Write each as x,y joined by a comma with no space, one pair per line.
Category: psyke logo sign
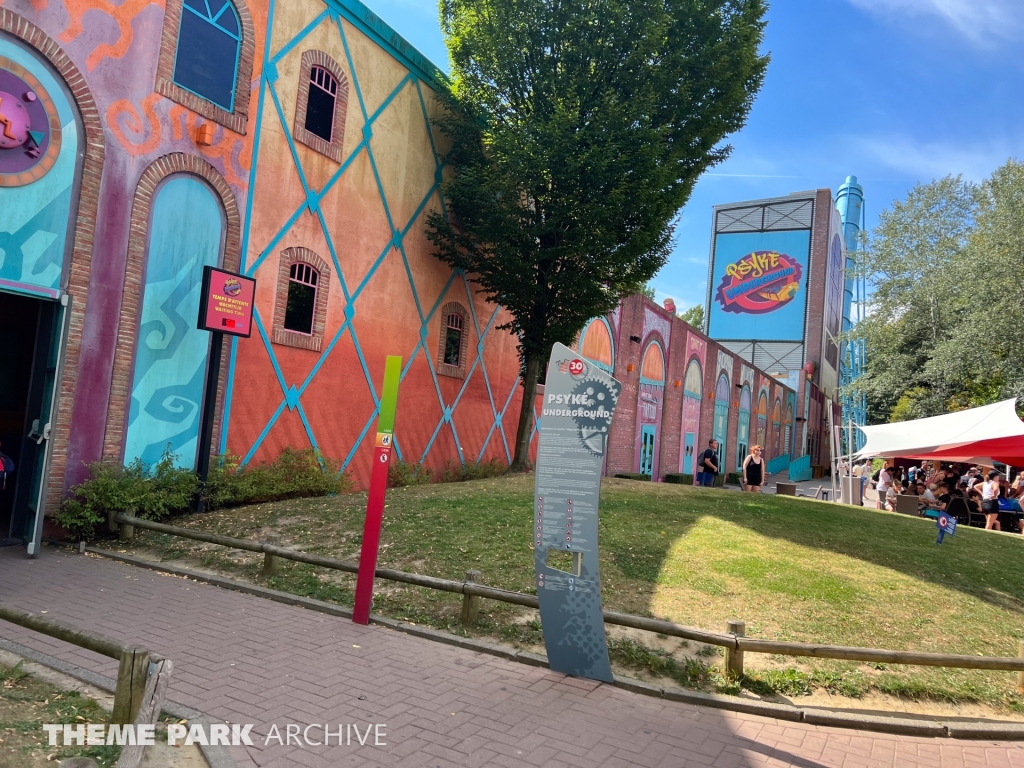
760,282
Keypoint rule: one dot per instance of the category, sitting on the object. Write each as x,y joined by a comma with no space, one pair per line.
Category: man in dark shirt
707,465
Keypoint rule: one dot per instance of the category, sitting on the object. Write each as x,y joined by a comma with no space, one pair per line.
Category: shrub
401,474
633,476
733,478
163,490
679,478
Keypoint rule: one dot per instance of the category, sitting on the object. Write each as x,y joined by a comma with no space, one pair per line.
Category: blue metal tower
852,353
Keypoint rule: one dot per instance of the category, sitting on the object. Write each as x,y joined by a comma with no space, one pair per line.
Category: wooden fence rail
728,640
136,693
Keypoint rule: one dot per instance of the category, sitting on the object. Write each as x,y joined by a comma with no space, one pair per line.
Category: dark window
298,314
323,92
206,60
453,340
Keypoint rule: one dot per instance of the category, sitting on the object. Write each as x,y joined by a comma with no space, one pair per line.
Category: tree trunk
521,461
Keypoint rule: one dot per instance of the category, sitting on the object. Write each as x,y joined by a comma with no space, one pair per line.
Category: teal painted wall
170,365
34,224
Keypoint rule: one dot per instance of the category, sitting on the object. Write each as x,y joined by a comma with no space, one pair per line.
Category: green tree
694,316
917,262
578,129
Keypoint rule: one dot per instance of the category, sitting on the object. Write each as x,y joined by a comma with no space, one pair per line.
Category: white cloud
924,161
982,21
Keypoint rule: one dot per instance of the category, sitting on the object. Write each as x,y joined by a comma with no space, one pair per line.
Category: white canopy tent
990,431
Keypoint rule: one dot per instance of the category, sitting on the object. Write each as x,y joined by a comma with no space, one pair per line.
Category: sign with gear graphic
579,403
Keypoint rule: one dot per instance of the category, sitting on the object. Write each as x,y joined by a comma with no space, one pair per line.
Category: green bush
163,490
733,478
679,478
401,474
633,476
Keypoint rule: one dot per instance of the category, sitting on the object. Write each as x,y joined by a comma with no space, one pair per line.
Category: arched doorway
693,391
650,400
762,419
743,428
186,233
787,441
721,425
776,428
596,344
45,258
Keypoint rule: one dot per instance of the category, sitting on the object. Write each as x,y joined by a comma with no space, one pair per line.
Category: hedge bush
633,476
164,489
680,478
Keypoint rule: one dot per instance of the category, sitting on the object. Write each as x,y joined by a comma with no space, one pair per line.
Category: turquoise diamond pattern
292,393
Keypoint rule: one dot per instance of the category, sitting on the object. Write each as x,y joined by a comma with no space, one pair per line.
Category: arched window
300,312
321,104
693,386
301,302
209,44
596,344
453,342
453,339
653,369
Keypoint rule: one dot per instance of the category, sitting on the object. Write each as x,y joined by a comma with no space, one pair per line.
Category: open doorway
30,344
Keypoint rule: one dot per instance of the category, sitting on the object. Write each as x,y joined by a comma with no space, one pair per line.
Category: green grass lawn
793,569
25,704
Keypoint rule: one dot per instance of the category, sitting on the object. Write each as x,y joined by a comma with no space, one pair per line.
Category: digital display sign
759,285
227,302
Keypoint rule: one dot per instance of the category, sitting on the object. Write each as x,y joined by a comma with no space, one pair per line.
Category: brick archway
84,232
134,274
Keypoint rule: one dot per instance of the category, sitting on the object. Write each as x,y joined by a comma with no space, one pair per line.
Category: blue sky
891,91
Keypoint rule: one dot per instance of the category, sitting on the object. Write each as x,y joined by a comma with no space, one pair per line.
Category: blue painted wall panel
170,363
34,217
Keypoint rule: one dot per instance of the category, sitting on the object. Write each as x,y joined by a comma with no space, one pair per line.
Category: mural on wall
693,391
650,401
39,152
170,366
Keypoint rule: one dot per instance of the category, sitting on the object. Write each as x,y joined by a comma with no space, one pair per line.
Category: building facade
680,389
291,142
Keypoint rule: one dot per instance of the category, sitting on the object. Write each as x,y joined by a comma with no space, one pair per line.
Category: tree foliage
694,316
946,323
578,129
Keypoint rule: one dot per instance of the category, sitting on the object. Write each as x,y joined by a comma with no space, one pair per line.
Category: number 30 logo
576,367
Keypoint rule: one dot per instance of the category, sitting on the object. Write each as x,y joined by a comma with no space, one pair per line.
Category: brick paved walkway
244,659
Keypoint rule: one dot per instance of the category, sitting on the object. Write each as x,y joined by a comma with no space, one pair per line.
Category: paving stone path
244,659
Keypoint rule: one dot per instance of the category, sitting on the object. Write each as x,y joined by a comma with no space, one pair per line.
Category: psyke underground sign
760,282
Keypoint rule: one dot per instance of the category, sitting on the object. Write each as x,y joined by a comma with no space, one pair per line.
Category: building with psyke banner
778,295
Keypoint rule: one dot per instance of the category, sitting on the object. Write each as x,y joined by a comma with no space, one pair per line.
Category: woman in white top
990,501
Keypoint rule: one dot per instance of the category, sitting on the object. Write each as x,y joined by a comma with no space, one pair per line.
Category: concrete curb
989,730
216,757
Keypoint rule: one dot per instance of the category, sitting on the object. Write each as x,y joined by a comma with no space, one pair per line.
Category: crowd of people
986,492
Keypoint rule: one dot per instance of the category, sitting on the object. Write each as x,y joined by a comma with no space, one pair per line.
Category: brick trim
281,334
84,232
443,368
235,120
134,273
334,148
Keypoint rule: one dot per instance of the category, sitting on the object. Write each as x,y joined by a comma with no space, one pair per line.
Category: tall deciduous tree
578,129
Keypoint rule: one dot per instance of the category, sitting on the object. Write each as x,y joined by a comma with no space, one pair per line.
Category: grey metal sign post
579,401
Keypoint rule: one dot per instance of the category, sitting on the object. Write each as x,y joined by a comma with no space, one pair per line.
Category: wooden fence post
734,656
131,684
149,711
470,603
271,562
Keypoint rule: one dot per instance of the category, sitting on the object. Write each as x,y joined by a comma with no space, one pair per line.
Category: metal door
647,435
37,446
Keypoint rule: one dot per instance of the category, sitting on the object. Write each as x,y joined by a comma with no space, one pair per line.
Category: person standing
884,483
990,501
753,470
708,465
